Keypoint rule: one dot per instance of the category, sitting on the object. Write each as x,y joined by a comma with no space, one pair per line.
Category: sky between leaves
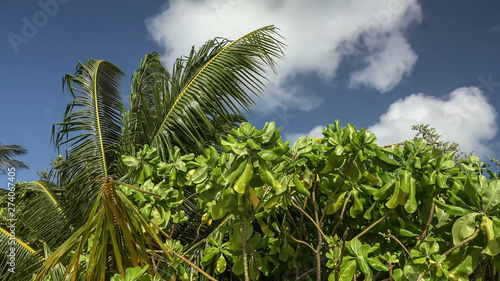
381,64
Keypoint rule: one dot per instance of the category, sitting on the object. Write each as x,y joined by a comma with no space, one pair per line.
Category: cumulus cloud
316,132
464,116
318,34
383,71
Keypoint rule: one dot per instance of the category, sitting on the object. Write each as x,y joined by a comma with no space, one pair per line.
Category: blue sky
380,64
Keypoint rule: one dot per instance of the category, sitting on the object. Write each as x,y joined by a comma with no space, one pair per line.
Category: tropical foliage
7,154
331,208
200,100
179,187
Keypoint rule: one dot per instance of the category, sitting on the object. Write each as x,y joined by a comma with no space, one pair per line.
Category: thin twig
451,250
263,196
341,214
217,228
390,271
307,273
465,241
194,266
299,241
373,225
320,241
309,217
197,236
297,249
429,221
244,247
397,240
337,268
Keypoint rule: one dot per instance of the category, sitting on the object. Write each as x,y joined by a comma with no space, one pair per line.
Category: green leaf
492,247
471,188
157,215
371,178
268,132
417,163
357,207
382,155
447,164
208,255
246,128
265,229
491,196
199,175
376,264
464,227
130,161
300,187
450,209
219,210
237,167
347,271
412,272
398,274
253,145
411,202
397,197
221,264
441,181
361,258
135,273
404,178
267,175
339,201
299,144
234,243
238,266
241,184
268,155
465,268
382,193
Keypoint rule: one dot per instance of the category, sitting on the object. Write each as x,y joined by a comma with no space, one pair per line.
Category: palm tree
190,107
7,152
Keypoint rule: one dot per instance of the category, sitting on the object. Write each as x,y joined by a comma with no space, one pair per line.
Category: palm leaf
204,94
40,213
90,132
27,260
7,152
149,83
120,231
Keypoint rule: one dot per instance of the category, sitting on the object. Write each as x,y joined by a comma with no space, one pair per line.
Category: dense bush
256,208
338,208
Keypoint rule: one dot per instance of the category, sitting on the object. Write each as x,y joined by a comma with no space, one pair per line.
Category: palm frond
40,212
205,92
26,260
119,230
90,132
7,152
149,83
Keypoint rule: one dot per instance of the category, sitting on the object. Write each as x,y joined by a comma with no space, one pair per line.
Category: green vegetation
7,154
178,187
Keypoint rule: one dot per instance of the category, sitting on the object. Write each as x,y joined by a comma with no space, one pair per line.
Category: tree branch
372,225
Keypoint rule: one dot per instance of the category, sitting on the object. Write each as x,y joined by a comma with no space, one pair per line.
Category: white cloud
316,132
465,117
318,34
383,71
